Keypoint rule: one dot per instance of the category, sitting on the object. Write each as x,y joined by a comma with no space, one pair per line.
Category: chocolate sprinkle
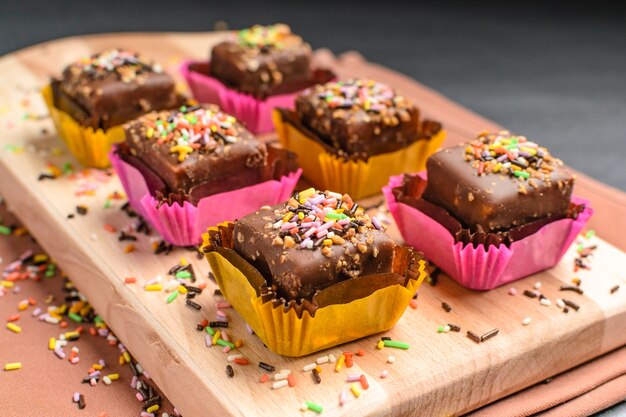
230,371
571,288
614,289
454,327
267,367
489,335
571,304
473,336
530,294
223,324
316,376
446,307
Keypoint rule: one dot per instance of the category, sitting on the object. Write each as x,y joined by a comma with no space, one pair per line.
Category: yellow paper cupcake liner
357,178
90,146
284,332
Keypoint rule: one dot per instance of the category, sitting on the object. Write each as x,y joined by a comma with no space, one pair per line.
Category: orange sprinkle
238,343
32,301
413,304
129,248
360,352
349,362
92,331
109,228
80,329
130,280
264,378
63,324
202,285
364,382
14,317
291,380
241,361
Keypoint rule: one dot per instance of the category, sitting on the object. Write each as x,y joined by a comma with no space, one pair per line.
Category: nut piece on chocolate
113,87
193,146
259,59
498,181
359,117
312,241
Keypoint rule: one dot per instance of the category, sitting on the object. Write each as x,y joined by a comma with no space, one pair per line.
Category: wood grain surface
442,374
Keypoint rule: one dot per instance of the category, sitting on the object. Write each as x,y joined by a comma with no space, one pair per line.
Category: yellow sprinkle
63,309
182,150
121,361
154,287
306,194
129,248
327,242
182,289
380,344
51,343
75,308
216,337
69,335
97,366
13,366
85,310
340,363
318,369
153,408
355,390
126,356
42,257
14,328
114,377
7,284
183,261
149,132
301,215
288,216
497,167
22,306
20,231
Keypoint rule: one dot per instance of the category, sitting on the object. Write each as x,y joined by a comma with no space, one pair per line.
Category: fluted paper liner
358,178
477,267
90,146
183,225
255,113
343,312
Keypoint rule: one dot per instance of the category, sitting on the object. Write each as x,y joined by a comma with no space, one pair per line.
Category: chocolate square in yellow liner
90,146
343,312
358,178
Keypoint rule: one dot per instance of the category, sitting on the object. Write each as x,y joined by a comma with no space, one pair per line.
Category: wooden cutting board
441,374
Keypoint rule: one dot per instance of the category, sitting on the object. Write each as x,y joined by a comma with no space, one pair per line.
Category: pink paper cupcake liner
184,225
255,113
476,267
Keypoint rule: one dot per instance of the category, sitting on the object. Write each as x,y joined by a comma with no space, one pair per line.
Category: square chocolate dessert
359,118
497,182
262,61
312,241
113,87
194,151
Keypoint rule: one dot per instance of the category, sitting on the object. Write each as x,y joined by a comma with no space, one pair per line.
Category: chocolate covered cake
194,152
360,118
314,240
262,61
498,182
113,87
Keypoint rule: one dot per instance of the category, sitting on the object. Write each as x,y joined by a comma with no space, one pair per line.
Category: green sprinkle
75,317
210,330
68,168
440,329
521,174
49,273
224,343
337,216
98,319
107,203
590,234
5,230
314,407
183,274
172,296
396,344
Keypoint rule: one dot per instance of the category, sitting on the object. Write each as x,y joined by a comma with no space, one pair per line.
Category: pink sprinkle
36,312
222,304
221,313
225,336
384,374
133,382
512,291
537,292
139,396
226,349
59,352
16,289
102,363
310,231
249,329
288,225
93,382
353,378
74,360
343,222
343,396
146,375
76,397
208,340
321,233
146,414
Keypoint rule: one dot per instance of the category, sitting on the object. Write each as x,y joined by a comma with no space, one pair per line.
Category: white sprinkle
304,407
278,224
279,384
284,371
231,358
537,285
560,303
545,302
391,359
332,358
384,374
309,367
106,380
446,328
526,321
94,236
171,285
280,376
322,359
343,396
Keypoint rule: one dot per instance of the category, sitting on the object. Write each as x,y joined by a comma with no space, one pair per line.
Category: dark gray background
556,73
